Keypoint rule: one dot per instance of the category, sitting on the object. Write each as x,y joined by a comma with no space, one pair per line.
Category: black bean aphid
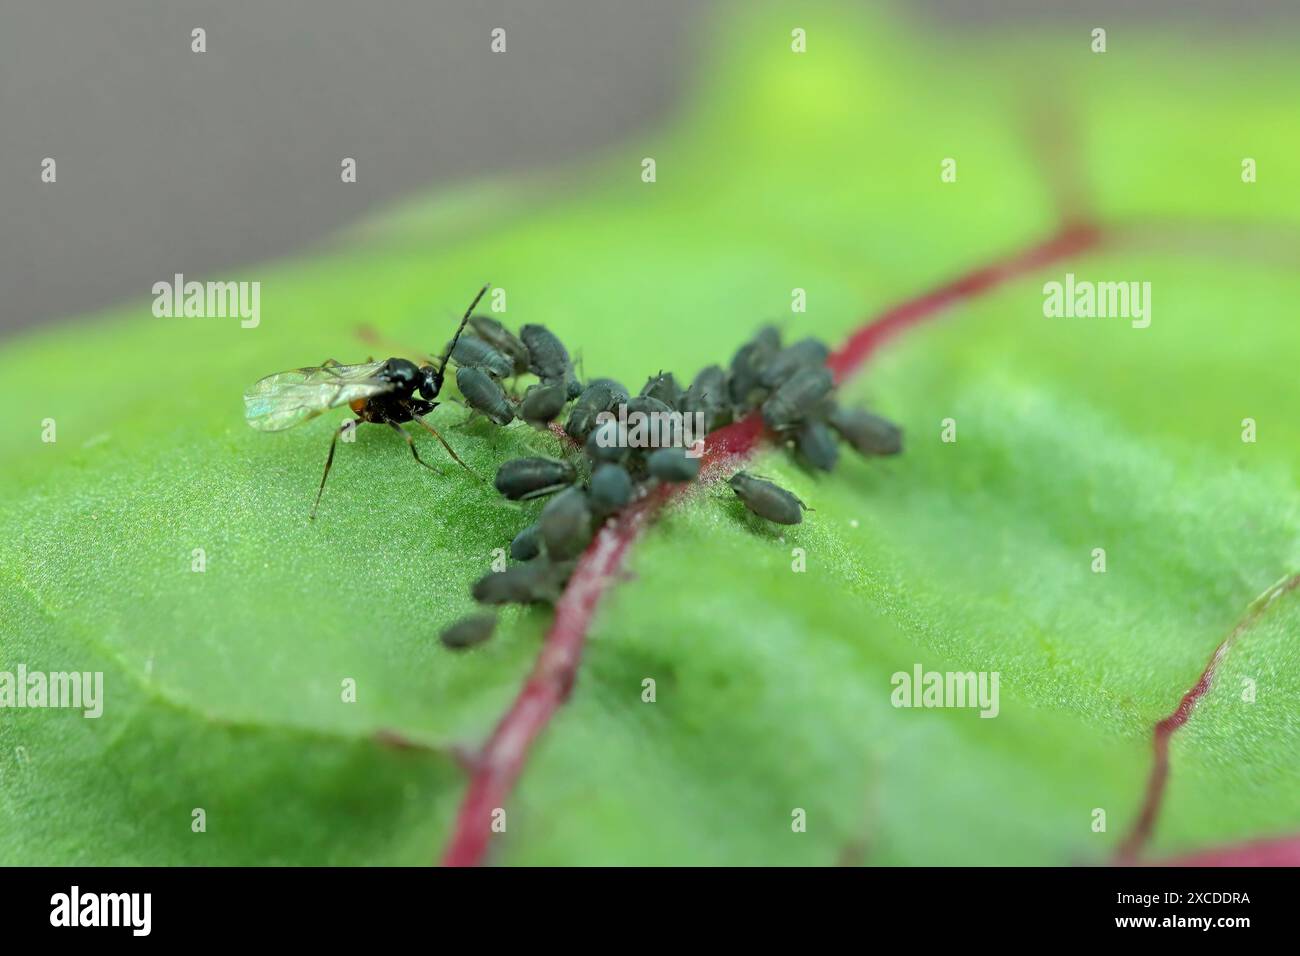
620,391
797,396
537,582
607,442
471,351
469,631
527,544
389,392
868,434
817,445
672,464
647,405
548,359
595,399
663,387
806,353
502,339
542,403
767,499
708,396
610,489
748,363
566,525
484,394
522,479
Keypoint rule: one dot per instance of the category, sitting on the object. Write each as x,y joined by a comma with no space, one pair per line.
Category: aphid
468,631
502,339
548,359
663,387
471,351
542,403
522,479
582,416
646,405
527,544
708,396
672,464
484,394
806,353
766,499
388,392
747,364
536,582
607,442
817,445
797,396
868,434
610,489
620,391
565,524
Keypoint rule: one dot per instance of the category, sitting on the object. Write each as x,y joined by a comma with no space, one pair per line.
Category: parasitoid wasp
387,392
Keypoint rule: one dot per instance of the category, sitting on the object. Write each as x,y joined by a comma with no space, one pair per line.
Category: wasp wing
286,399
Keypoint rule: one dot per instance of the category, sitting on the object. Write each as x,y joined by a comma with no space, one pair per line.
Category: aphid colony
790,386
383,393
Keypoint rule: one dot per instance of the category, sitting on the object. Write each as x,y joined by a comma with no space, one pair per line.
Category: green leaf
820,171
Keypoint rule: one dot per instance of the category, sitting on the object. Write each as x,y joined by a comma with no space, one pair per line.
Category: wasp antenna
451,346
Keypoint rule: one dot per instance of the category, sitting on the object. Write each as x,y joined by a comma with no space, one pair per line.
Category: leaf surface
819,172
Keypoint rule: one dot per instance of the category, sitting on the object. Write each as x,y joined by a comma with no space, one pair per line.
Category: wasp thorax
402,372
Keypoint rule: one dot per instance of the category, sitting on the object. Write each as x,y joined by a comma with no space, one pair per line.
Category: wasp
389,392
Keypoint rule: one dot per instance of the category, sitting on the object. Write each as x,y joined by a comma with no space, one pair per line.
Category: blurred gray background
171,161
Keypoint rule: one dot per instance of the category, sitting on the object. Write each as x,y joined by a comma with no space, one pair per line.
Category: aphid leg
410,443
451,451
469,419
329,462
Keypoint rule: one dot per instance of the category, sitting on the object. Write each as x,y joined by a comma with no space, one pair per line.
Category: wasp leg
329,462
410,443
451,451
330,363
